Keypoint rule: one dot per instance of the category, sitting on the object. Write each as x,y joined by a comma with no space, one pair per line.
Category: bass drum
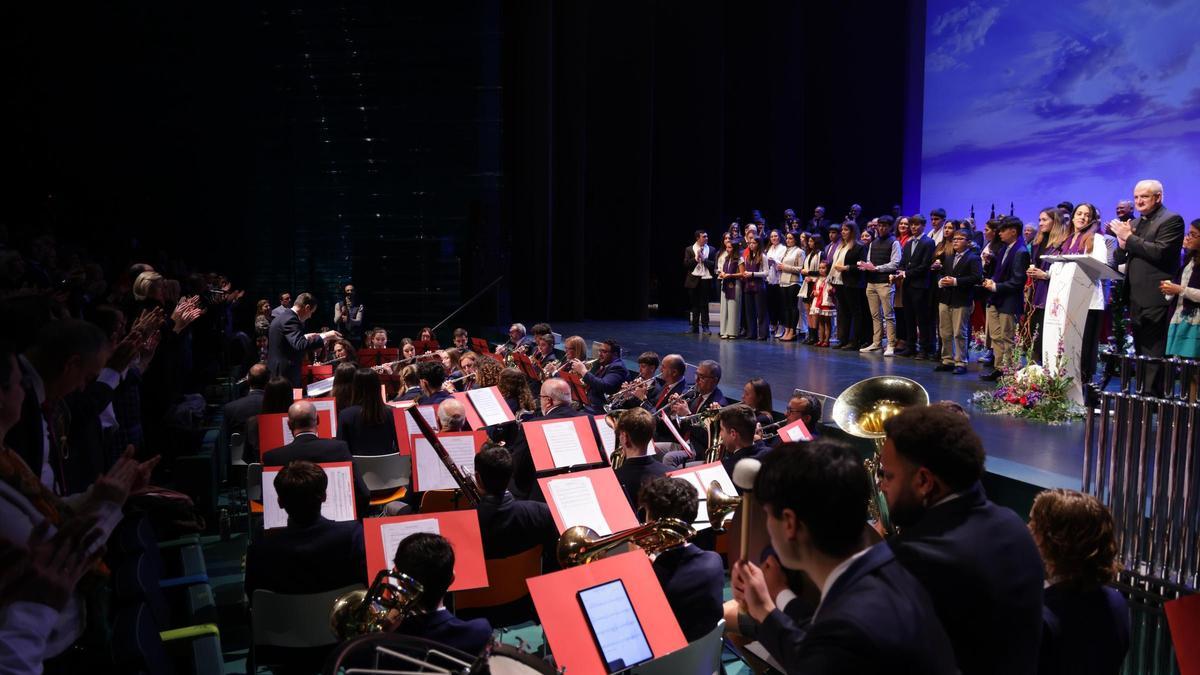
509,660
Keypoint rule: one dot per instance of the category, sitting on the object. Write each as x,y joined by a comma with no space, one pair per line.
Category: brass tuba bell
862,408
580,544
386,604
717,505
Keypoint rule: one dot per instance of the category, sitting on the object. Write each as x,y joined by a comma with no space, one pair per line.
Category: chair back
293,620
436,501
508,577
237,446
384,472
702,657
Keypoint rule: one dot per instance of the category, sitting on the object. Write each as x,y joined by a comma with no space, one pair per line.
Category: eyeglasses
705,377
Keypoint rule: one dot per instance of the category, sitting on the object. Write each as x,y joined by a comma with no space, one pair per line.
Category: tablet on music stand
614,625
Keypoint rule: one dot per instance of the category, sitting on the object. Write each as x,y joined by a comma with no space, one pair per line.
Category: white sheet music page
488,405
339,497
429,412
432,473
717,473
394,533
577,504
608,437
564,444
287,431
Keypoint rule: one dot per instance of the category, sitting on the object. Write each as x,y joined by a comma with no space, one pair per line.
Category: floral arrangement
1031,391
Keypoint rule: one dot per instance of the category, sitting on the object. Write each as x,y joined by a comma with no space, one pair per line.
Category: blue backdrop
1037,101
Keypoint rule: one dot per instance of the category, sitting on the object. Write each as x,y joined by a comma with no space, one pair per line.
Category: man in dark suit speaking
1149,248
873,615
287,341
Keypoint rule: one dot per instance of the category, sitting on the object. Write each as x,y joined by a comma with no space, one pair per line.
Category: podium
1074,280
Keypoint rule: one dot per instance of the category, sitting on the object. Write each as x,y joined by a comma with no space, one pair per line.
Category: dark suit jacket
875,619
442,626
286,345
983,571
637,471
321,450
237,413
605,380
1084,632
85,459
524,481
689,264
694,582
968,272
1152,255
510,526
437,397
1009,296
729,461
322,556
377,439
697,433
916,256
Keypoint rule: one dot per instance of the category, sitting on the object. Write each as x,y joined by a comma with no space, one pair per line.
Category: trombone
581,544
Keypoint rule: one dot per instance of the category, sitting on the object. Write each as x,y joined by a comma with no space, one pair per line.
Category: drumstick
744,473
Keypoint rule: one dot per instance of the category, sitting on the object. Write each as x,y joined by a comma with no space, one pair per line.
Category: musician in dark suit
707,396
699,269
606,376
873,615
429,559
651,387
239,411
960,270
916,259
302,420
555,400
1007,287
287,342
819,224
635,432
693,579
737,425
312,554
1149,248
432,375
285,303
509,525
977,560
670,382
803,407
1085,621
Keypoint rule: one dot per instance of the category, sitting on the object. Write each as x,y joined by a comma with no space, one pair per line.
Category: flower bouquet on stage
1031,391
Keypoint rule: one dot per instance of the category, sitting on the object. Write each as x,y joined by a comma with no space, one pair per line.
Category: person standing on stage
881,260
699,264
287,341
285,303
348,315
1006,285
1149,248
916,260
730,267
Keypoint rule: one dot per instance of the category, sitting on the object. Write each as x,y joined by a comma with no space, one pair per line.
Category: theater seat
287,629
507,577
702,657
386,476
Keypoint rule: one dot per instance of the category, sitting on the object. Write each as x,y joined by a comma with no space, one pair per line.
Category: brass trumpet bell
718,505
581,544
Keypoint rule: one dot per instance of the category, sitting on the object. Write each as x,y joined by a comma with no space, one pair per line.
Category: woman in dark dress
367,426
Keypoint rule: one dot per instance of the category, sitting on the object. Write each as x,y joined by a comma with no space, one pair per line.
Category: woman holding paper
1052,232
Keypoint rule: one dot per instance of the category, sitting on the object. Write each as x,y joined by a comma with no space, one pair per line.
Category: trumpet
688,395
386,604
773,427
553,369
626,390
580,544
704,415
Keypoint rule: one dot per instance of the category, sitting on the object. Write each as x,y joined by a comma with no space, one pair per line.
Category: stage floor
1040,454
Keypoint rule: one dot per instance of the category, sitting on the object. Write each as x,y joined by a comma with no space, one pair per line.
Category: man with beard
976,559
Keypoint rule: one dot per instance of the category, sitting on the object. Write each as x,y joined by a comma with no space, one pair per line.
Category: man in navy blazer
429,559
306,445
509,525
1007,286
692,579
961,269
635,432
239,411
432,375
916,261
287,342
605,378
977,560
555,402
873,616
736,425
707,395
312,554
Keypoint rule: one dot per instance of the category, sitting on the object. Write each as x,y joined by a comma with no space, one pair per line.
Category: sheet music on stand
339,495
578,504
320,387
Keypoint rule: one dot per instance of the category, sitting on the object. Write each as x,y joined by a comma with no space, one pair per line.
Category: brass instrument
553,369
466,486
617,459
622,395
774,427
862,409
386,604
688,395
580,544
704,415
509,360
717,505
392,364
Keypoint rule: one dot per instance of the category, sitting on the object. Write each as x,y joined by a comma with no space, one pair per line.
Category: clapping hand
47,569
122,355
1169,288
1120,229
186,311
127,476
